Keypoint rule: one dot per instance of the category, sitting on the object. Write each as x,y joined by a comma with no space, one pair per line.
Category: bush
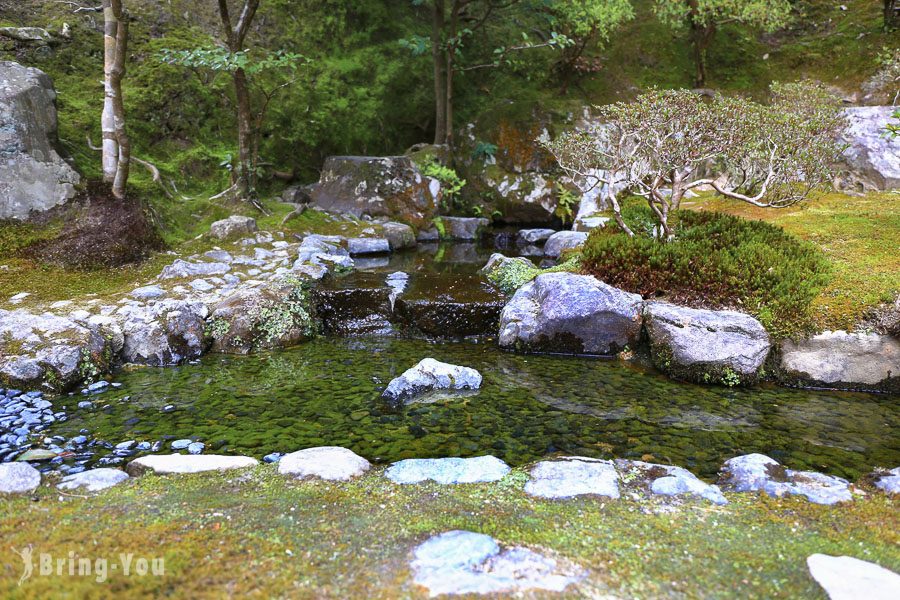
714,261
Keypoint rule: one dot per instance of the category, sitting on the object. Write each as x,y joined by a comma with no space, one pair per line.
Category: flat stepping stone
166,464
463,562
18,478
430,376
758,472
848,578
573,476
667,480
93,480
481,469
331,463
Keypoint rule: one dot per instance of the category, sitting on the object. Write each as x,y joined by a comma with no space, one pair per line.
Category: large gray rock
577,314
465,229
561,241
361,246
18,478
399,235
233,226
872,156
837,359
447,471
49,351
889,481
848,578
573,476
331,463
175,464
706,346
430,376
389,186
33,176
167,332
533,236
758,472
463,562
93,480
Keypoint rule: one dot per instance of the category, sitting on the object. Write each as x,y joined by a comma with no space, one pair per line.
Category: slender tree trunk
450,54
891,17
701,36
116,147
246,169
440,74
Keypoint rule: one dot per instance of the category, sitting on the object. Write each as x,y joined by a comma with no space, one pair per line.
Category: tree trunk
440,74
891,14
245,171
116,147
450,53
701,36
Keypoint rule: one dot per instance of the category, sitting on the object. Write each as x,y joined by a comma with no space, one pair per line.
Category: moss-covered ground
258,534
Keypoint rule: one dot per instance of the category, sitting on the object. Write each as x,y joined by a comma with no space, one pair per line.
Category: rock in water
706,346
575,314
33,176
18,478
361,246
871,155
429,376
466,229
166,464
448,470
164,333
399,235
509,274
232,227
93,480
331,463
758,472
848,578
561,241
573,476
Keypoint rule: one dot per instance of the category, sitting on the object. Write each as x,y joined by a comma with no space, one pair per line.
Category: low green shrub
714,261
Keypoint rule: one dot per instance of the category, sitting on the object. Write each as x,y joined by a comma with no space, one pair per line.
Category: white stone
164,464
18,478
448,470
93,480
848,578
332,463
573,476
429,376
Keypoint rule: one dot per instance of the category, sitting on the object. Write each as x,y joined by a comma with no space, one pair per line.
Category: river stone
182,268
360,246
232,227
463,228
429,376
533,236
480,469
166,464
573,476
33,175
148,292
399,235
758,472
872,156
166,332
848,578
667,480
705,345
561,241
93,480
389,186
577,314
508,274
18,478
323,250
332,463
837,359
889,481
463,562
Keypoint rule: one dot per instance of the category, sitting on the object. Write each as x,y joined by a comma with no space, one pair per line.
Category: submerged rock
232,227
93,480
561,241
462,562
431,376
357,304
332,463
577,314
758,472
480,469
166,464
837,359
706,346
848,578
18,478
573,476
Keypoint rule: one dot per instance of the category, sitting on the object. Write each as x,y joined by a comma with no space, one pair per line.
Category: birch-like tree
116,147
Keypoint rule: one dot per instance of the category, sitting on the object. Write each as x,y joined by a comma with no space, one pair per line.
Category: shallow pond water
327,392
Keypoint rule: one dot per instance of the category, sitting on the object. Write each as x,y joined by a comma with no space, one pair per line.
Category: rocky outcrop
331,463
872,156
573,314
167,332
759,473
561,241
521,197
50,351
378,187
841,360
431,376
232,227
705,346
33,176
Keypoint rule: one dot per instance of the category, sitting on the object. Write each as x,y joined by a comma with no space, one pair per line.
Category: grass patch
715,261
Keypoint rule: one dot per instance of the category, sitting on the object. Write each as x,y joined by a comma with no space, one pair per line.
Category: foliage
566,204
715,260
451,184
217,58
484,151
768,15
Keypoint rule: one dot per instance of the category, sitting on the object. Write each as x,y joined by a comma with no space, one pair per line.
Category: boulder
361,246
705,346
277,315
561,241
573,476
166,332
33,175
575,314
527,197
50,351
533,236
872,156
447,471
18,478
848,578
399,235
428,377
888,481
509,274
841,360
232,227
377,187
331,463
462,228
172,464
758,472
93,480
